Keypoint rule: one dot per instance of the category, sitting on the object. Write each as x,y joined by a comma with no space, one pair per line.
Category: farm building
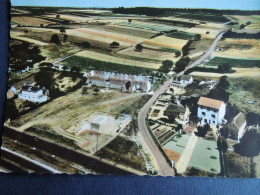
211,111
123,82
182,81
237,127
105,123
33,93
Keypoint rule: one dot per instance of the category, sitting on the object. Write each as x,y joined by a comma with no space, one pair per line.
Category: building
33,93
182,81
237,127
120,81
211,111
186,79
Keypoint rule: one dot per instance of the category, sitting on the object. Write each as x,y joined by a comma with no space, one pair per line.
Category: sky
215,4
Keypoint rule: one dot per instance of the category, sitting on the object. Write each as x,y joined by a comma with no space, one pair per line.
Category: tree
242,26
181,64
114,44
65,38
202,130
252,119
129,20
248,23
75,69
58,16
139,48
65,67
220,91
62,30
96,90
197,37
11,110
86,44
55,39
249,145
166,66
84,90
225,68
41,25
177,54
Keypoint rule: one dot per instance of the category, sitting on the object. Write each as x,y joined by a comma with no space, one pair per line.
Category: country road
163,166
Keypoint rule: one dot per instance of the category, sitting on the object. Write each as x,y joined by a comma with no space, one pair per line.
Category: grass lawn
178,144
206,156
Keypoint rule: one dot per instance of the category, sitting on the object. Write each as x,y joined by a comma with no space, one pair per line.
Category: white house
33,94
211,111
186,79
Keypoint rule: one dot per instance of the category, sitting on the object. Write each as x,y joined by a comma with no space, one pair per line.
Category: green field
234,62
154,27
206,156
181,35
85,63
178,144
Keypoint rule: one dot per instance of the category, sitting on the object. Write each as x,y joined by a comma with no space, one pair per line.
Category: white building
240,123
33,94
211,111
186,79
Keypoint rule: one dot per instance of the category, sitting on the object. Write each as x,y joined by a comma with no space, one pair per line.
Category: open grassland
149,54
207,33
245,89
198,47
206,156
71,18
113,59
123,151
20,36
64,114
146,34
255,23
165,42
235,62
85,63
30,21
239,48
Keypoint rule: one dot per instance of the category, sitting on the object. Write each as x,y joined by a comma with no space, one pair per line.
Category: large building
33,93
182,81
120,81
211,111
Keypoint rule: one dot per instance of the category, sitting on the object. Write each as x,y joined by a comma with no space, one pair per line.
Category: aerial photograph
169,88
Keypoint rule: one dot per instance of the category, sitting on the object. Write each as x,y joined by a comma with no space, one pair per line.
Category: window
208,108
213,116
205,121
203,113
214,122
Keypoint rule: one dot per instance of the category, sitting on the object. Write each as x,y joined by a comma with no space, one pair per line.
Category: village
89,99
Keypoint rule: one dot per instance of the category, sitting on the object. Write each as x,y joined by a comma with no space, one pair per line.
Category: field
85,63
242,90
206,156
178,144
208,33
181,35
63,114
235,62
30,21
165,42
149,54
239,48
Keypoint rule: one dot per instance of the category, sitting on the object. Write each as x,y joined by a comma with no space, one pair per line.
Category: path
164,167
183,162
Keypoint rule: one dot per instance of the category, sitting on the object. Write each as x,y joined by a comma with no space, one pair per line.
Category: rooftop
239,120
186,77
212,103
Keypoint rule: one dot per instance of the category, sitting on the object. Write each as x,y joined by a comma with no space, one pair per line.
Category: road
163,166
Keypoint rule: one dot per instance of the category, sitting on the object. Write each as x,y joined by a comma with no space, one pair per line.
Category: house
186,79
211,111
120,81
33,93
182,81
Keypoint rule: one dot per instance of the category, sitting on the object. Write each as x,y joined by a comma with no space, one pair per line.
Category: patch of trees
86,44
249,145
139,48
182,64
202,130
177,54
166,66
253,119
55,39
186,48
114,44
192,104
139,10
11,112
171,113
220,91
183,35
62,30
24,54
231,34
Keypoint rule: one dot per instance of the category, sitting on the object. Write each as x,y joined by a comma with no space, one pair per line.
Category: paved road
163,166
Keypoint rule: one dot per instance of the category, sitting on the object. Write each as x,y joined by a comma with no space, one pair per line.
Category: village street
164,167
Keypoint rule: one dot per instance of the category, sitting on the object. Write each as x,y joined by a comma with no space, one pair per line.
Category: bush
55,39
181,64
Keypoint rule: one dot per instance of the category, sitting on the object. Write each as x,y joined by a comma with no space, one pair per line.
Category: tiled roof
212,103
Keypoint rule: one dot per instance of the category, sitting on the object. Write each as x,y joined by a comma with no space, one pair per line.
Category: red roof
212,103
